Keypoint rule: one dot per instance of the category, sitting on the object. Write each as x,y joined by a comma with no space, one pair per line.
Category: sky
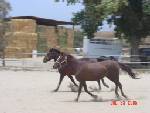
47,9
43,8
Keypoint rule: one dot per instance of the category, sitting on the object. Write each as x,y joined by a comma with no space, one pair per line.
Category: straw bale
15,52
12,52
20,39
41,28
20,42
48,33
70,38
23,25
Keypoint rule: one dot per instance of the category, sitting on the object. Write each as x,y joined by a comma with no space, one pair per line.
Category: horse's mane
71,58
54,50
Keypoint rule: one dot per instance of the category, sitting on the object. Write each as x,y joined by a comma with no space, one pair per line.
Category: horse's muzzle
44,60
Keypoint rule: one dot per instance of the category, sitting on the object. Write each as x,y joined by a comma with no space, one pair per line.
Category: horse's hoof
118,97
107,86
95,96
76,100
99,90
55,90
126,97
112,89
76,85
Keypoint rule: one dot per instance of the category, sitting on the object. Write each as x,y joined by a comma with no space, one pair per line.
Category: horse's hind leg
60,80
72,80
79,91
86,90
120,86
99,84
116,90
104,83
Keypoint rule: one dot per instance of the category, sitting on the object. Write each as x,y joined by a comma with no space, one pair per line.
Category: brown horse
93,72
69,71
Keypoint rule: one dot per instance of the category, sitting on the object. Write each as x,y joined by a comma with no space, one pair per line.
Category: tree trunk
135,42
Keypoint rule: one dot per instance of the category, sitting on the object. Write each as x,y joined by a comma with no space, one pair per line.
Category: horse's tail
128,70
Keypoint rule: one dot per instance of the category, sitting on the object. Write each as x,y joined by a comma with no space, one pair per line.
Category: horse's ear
62,53
51,49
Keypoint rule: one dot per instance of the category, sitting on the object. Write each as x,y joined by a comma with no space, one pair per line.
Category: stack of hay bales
47,38
52,37
23,25
62,37
70,39
22,38
42,38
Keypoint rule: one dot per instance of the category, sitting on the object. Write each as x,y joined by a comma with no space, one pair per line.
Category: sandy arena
32,92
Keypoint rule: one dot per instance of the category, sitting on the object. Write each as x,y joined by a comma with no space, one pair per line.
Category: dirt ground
32,92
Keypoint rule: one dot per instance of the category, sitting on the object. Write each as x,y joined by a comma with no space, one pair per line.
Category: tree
133,24
89,18
4,9
131,17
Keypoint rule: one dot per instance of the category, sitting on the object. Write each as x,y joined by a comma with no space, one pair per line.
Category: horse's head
52,54
61,61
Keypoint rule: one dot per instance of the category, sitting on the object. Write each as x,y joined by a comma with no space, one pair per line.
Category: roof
42,21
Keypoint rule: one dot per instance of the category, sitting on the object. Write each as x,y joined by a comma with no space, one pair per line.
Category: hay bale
48,34
52,37
20,39
42,44
70,38
12,52
23,25
20,42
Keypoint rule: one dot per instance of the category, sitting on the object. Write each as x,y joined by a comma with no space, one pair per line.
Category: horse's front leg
86,90
79,91
72,80
60,80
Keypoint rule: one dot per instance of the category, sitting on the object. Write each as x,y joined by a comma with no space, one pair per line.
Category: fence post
34,53
3,58
85,45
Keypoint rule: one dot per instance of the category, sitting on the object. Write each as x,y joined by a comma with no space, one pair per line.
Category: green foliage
89,19
78,39
41,44
4,8
132,22
69,2
146,6
131,17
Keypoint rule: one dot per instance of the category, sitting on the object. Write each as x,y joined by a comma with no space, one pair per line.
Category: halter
60,63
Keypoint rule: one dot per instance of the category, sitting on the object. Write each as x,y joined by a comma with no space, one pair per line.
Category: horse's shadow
62,91
99,99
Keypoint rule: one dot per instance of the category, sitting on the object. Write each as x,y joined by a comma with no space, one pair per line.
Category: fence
36,63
